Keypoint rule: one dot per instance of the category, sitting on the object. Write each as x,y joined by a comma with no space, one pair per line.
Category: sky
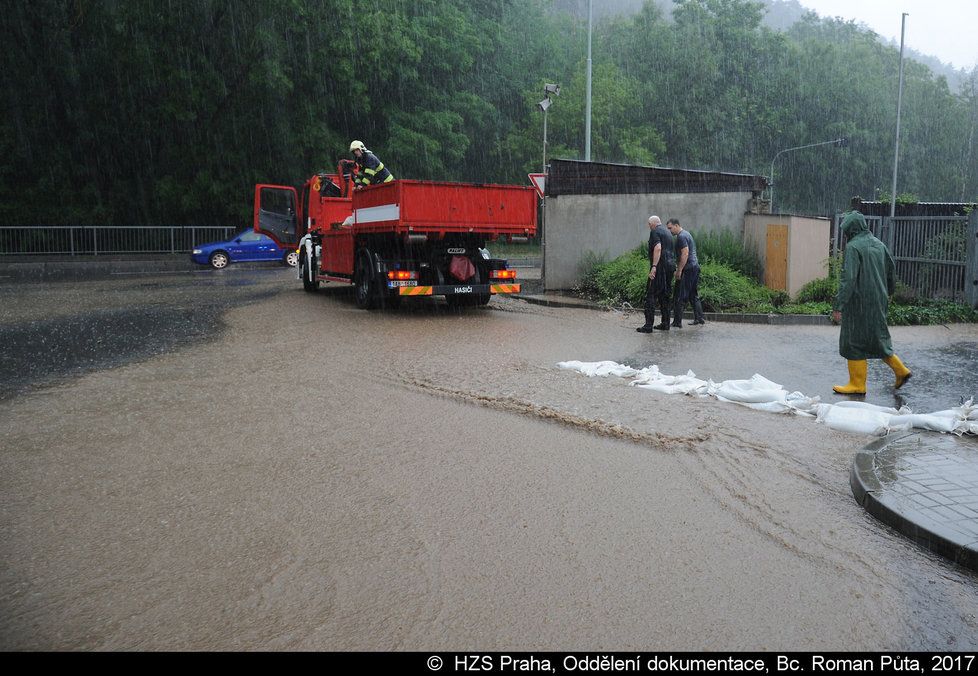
941,28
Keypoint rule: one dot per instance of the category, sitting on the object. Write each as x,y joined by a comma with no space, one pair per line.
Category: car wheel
219,260
291,258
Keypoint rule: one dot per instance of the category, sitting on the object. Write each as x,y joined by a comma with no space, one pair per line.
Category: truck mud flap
458,289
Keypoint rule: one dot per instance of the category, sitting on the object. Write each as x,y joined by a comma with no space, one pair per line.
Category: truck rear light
401,275
502,274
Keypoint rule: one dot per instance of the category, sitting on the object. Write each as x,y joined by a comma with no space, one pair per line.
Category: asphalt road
222,461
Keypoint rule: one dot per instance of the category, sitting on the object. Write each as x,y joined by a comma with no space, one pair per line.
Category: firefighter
372,170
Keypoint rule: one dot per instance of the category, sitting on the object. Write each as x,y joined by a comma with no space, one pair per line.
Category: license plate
394,285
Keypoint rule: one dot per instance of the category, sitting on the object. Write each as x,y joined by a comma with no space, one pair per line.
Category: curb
734,318
885,506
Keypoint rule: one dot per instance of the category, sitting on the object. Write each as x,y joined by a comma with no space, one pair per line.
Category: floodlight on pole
548,91
841,142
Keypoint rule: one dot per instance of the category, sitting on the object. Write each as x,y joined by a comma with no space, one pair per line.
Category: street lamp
896,143
548,91
840,142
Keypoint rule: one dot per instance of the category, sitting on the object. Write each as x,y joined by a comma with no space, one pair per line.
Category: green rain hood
868,279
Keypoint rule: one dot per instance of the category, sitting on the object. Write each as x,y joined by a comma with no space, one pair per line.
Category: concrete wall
808,245
610,225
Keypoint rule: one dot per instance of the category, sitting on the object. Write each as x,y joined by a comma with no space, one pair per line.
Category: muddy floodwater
227,462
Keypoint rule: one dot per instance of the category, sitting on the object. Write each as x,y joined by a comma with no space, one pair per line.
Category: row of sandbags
761,394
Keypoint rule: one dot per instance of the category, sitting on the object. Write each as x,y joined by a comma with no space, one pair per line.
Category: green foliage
903,199
808,308
930,312
157,112
591,265
819,291
725,289
623,280
725,247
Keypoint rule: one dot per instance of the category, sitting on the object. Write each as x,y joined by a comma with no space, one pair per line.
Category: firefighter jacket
372,170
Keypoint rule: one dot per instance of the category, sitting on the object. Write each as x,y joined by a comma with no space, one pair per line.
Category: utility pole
587,114
896,147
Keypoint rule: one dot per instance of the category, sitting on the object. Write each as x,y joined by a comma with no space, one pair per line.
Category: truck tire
308,286
291,258
364,283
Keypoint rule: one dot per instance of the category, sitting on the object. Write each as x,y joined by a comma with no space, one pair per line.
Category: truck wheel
364,283
308,286
291,258
219,260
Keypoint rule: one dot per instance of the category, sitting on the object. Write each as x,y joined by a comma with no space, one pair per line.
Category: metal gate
934,255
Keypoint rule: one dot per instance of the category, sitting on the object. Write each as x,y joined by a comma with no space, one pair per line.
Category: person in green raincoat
868,280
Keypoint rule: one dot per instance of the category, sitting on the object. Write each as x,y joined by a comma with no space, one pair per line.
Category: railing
99,240
930,252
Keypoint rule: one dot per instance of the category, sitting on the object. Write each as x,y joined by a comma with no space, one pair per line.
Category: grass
501,249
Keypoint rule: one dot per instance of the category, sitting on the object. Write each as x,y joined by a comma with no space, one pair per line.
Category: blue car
245,246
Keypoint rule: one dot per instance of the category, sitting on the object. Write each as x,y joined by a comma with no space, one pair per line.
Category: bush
623,279
590,266
728,249
807,308
819,291
930,312
723,288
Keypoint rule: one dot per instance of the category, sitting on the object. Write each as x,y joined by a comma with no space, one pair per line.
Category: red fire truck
402,238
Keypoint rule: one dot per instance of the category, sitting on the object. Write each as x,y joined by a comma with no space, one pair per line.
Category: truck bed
434,207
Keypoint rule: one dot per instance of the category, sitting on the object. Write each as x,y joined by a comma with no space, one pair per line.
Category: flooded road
247,466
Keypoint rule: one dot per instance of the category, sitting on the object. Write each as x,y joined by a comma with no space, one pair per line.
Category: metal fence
99,240
931,253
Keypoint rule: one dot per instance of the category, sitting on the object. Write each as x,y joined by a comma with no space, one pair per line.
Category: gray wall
610,225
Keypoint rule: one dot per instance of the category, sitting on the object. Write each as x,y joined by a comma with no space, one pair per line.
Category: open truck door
276,213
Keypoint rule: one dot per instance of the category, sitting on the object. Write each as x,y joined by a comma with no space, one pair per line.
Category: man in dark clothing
372,170
868,279
687,275
662,265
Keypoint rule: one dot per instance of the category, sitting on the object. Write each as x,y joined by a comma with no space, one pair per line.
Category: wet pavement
92,325
286,471
926,486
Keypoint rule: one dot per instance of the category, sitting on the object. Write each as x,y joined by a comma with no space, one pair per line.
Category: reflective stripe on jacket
372,170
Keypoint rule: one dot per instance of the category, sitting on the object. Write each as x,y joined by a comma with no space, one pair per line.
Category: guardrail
98,240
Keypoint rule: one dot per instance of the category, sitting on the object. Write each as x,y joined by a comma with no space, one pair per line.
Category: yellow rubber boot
901,372
857,378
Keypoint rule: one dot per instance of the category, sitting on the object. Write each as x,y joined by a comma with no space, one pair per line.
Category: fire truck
404,238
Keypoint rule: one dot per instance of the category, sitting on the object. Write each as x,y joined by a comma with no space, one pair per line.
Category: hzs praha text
771,663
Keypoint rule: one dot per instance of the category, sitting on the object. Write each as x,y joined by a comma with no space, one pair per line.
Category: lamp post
896,143
548,91
840,142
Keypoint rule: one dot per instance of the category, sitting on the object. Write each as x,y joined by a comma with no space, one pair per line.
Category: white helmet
358,145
